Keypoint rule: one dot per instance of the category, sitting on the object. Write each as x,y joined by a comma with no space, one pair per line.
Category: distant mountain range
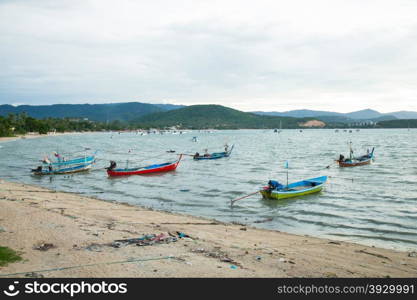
220,117
96,112
366,114
207,116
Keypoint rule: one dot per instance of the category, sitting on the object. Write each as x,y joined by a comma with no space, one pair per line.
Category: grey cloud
48,57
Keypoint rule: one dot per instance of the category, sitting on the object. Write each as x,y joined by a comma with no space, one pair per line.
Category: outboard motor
112,165
341,158
272,185
37,170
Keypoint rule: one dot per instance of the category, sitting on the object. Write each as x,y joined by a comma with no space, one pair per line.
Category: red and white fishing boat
156,168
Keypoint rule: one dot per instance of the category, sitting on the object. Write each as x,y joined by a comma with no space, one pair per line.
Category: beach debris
180,235
94,248
263,221
157,239
281,259
226,259
243,229
198,250
373,254
216,253
75,246
2,229
43,246
152,239
110,226
233,267
258,258
412,254
125,242
118,244
34,275
238,223
335,243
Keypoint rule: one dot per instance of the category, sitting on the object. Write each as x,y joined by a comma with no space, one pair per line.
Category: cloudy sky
250,55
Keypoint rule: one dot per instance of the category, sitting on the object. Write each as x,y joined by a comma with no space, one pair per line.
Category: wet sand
76,234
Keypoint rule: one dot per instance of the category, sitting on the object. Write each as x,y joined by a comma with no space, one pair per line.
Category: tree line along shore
20,124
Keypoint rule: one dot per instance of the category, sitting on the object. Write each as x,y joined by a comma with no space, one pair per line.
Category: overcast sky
250,55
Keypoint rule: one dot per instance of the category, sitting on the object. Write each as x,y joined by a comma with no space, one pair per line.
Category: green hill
96,112
216,117
412,123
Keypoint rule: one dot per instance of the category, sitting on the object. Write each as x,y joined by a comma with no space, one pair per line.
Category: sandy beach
32,135
67,235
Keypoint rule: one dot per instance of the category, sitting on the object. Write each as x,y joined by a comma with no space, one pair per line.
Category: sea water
374,204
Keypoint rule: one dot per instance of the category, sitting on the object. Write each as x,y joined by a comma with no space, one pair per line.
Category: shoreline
37,135
60,234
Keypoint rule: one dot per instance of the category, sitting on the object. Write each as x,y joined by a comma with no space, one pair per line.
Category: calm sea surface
374,205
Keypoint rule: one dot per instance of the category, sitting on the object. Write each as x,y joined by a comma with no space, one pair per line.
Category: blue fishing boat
276,190
63,166
215,155
68,169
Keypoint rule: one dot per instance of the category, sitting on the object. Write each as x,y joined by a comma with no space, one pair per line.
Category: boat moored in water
156,168
352,161
63,166
215,155
68,169
276,190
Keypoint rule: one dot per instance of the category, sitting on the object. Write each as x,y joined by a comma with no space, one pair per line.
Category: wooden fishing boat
275,190
156,168
215,155
80,164
355,161
67,169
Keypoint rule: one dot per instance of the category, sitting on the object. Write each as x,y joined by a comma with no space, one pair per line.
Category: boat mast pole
350,148
286,166
287,177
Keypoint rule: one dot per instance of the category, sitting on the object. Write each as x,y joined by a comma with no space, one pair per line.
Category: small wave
373,237
386,223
